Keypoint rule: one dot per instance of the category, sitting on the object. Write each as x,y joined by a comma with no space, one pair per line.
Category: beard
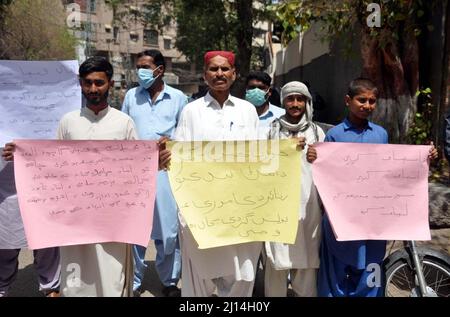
96,99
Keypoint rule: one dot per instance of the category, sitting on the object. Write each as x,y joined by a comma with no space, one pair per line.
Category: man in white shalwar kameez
301,259
218,116
98,269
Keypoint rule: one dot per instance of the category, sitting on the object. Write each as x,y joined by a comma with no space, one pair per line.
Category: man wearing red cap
218,116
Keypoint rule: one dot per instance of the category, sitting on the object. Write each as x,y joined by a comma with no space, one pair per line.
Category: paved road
26,284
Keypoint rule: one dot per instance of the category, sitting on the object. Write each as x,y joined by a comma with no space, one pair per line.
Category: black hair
96,64
359,84
158,58
260,76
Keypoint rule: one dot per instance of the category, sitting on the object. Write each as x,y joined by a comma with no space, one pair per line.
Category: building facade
118,35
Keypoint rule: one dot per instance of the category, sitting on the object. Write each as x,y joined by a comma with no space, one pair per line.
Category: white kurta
304,253
101,269
204,120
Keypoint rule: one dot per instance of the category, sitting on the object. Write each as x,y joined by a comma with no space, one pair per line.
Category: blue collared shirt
343,263
266,119
270,115
154,120
347,132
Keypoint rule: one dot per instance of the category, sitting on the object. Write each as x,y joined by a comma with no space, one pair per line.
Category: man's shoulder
133,91
195,104
117,113
377,127
277,111
174,91
275,124
71,114
242,103
338,128
131,95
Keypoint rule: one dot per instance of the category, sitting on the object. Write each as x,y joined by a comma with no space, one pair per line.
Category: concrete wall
324,66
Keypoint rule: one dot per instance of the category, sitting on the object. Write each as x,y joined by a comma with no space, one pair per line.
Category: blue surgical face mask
145,77
256,96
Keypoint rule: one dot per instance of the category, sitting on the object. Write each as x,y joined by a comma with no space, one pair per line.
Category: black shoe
137,293
171,291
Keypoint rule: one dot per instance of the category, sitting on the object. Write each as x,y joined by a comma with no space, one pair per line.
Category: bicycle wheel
401,278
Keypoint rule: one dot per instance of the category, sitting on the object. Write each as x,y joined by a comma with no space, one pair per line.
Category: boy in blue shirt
347,267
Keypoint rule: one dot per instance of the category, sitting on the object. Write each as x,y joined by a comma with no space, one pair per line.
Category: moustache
295,108
220,79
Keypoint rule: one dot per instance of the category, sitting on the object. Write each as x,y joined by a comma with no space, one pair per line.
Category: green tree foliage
3,7
398,17
420,130
389,53
36,30
204,25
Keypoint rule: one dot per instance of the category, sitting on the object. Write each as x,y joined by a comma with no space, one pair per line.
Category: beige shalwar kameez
100,269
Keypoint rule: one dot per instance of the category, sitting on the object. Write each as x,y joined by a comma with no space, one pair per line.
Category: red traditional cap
228,55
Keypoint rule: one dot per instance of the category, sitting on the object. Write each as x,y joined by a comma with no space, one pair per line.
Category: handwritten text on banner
236,192
79,192
34,95
374,191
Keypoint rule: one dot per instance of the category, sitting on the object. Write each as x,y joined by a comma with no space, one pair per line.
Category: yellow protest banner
237,191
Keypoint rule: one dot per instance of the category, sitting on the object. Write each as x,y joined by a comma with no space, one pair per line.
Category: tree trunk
396,75
244,35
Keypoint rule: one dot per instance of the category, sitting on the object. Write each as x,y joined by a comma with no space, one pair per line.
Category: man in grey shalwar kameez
12,239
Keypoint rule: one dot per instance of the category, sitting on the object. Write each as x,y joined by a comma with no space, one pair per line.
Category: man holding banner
217,116
300,259
97,121
101,269
353,267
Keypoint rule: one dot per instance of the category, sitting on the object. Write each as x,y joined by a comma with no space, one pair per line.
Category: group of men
151,111
156,111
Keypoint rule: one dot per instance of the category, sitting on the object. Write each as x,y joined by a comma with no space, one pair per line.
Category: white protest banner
34,95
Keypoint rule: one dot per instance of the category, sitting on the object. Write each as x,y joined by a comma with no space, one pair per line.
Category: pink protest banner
80,192
374,191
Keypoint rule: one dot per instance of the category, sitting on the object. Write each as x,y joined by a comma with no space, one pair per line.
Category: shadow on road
151,286
26,283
